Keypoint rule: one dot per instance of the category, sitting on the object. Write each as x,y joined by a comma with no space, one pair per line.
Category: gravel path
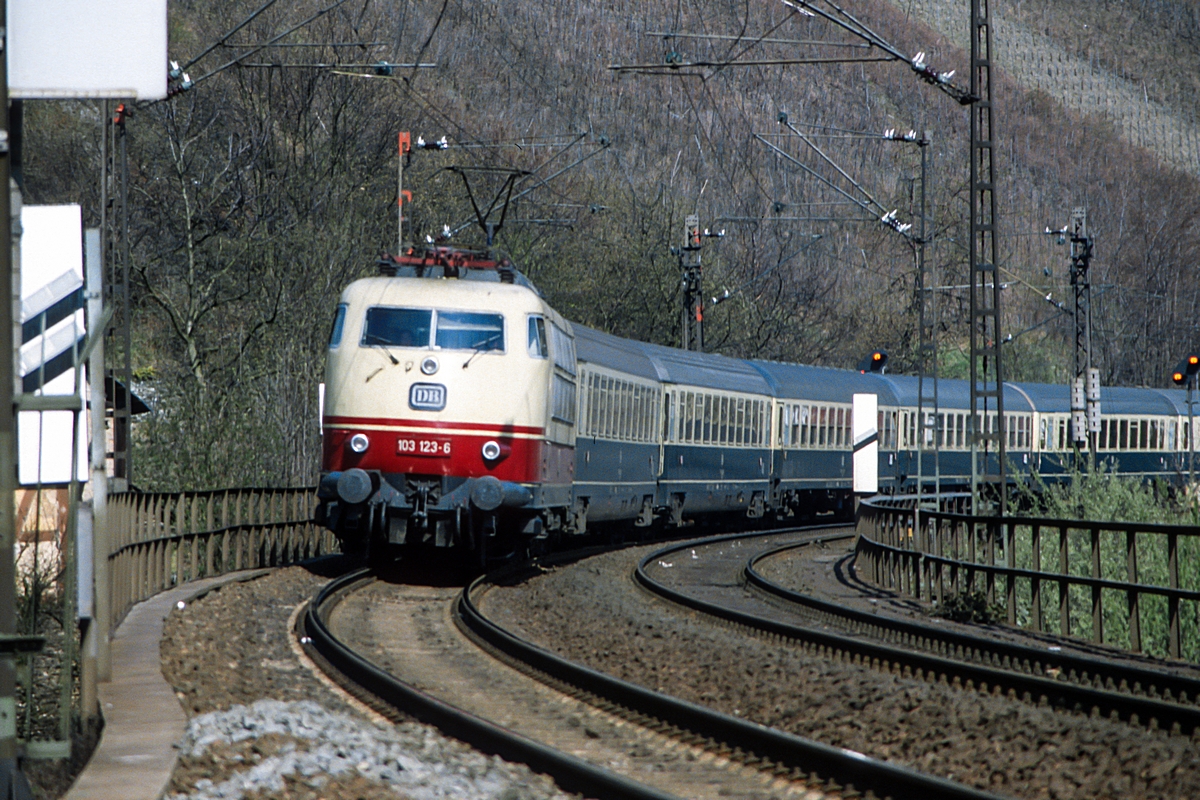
593,613
263,726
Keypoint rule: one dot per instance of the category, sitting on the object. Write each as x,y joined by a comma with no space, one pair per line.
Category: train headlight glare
491,450
359,442
429,365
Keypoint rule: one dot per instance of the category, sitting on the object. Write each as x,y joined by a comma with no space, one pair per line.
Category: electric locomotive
448,406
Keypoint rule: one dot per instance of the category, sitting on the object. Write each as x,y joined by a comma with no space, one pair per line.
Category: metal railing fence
1130,585
158,541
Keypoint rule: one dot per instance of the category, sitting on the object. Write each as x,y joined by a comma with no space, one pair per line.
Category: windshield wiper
482,347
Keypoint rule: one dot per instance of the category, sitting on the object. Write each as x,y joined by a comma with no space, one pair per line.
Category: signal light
875,361
1187,369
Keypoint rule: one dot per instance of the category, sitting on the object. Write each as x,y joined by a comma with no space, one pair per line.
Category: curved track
572,774
722,739
1137,694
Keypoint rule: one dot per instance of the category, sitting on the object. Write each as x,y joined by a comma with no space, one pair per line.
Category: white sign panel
864,429
52,328
87,48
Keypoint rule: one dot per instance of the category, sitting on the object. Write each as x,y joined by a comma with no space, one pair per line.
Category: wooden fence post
1064,586
1135,617
1173,602
1097,595
1035,584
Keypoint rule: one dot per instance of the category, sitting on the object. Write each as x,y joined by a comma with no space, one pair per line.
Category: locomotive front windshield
418,327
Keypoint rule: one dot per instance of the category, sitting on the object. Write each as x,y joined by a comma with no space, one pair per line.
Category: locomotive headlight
429,365
491,450
359,442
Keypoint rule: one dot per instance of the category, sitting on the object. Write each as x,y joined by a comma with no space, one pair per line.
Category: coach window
339,322
537,337
667,417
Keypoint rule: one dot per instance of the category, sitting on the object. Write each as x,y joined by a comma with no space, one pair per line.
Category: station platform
143,721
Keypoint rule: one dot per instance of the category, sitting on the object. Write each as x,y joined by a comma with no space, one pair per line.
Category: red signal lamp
875,361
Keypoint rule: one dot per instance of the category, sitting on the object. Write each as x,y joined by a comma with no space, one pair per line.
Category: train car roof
827,384
824,383
668,364
714,371
1051,398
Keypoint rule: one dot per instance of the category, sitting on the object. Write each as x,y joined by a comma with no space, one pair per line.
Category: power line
848,22
235,29
754,40
270,42
324,65
673,67
236,45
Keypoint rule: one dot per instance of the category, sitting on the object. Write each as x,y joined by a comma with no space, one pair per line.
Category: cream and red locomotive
448,410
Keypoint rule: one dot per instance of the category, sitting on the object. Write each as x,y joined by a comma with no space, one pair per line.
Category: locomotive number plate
434,448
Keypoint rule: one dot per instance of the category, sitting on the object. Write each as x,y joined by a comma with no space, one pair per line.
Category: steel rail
1073,668
1055,693
570,773
845,768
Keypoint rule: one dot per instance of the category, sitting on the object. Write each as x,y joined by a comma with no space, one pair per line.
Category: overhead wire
272,40
254,15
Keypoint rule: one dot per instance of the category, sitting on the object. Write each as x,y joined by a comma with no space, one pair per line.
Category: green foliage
971,607
1102,495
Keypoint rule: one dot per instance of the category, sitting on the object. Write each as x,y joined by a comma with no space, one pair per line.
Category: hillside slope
259,193
1133,64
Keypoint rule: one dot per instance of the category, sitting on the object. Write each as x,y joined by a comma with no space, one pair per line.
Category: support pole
12,780
927,367
99,448
988,441
1083,431
1191,437
692,320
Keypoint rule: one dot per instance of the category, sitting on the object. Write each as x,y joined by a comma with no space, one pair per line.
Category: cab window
537,337
469,330
397,327
420,327
339,322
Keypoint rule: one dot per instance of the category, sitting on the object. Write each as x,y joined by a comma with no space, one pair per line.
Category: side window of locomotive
397,327
537,337
562,348
339,323
469,330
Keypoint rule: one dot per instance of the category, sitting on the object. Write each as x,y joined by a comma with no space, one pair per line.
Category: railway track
1138,694
774,759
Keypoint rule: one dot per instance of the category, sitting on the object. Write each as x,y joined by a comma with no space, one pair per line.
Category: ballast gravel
313,745
592,613
262,726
